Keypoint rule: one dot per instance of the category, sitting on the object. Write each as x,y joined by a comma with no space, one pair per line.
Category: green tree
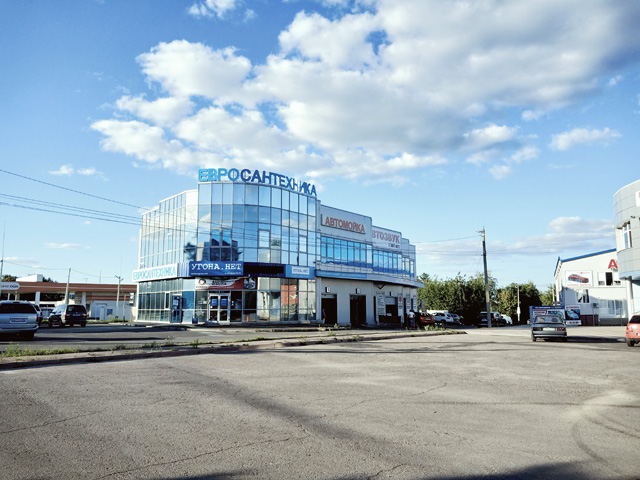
548,297
9,278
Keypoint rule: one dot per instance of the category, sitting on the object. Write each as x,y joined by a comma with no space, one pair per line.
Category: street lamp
118,294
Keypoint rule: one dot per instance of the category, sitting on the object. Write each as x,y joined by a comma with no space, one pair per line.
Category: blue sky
436,118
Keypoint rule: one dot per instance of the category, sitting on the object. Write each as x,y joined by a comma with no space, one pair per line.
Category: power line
69,189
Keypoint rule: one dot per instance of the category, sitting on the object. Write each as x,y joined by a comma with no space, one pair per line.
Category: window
583,296
626,235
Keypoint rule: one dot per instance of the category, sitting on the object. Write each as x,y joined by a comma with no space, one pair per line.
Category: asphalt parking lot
126,341
483,405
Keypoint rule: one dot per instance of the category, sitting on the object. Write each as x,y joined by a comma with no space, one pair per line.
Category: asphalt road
485,405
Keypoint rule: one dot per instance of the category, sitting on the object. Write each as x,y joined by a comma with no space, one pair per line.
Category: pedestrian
412,320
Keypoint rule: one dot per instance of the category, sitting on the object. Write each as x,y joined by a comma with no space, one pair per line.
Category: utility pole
118,294
486,279
518,304
66,292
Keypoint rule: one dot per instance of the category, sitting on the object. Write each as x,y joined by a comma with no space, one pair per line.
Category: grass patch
14,350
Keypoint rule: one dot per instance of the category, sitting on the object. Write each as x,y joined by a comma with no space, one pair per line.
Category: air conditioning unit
595,305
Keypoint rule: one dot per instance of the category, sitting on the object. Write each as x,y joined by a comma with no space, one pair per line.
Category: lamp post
118,294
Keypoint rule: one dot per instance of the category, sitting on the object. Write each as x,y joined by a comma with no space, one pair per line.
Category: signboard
226,283
155,273
381,304
215,269
342,224
255,176
579,279
293,271
9,286
572,315
387,239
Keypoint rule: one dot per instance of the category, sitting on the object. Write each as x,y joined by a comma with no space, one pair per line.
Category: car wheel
28,335
533,337
630,343
565,339
83,324
50,323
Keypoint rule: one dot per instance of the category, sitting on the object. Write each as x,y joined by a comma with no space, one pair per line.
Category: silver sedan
548,326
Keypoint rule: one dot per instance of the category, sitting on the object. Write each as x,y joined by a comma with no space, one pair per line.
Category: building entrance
219,308
358,310
329,314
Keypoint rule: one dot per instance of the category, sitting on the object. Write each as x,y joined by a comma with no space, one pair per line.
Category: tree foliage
466,296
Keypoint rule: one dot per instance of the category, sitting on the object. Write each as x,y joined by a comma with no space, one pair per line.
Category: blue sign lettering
256,176
215,269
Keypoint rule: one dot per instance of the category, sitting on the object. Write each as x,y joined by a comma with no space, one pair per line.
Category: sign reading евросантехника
255,176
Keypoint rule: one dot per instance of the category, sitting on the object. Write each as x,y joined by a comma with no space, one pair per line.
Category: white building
626,205
591,285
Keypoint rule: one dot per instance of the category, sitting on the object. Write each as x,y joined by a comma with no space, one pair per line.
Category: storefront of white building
590,286
626,205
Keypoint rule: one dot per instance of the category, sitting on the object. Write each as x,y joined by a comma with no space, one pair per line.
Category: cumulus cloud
402,85
63,170
212,8
582,136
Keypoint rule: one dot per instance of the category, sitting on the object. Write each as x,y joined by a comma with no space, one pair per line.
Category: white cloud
500,172
63,170
582,136
487,137
210,8
529,115
400,84
567,237
65,246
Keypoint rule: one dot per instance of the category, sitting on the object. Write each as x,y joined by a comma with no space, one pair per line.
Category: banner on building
579,279
226,283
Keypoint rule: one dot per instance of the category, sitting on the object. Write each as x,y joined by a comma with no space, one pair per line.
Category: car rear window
76,308
635,319
548,320
17,308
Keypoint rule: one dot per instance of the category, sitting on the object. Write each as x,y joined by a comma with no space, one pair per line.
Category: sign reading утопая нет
255,176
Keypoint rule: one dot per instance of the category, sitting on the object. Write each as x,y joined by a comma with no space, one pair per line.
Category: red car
633,331
425,319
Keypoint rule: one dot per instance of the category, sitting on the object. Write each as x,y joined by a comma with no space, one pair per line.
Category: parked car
425,319
68,314
632,334
496,320
39,312
18,317
445,318
457,318
507,319
547,327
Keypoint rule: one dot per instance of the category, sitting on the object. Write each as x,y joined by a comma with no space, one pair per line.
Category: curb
180,351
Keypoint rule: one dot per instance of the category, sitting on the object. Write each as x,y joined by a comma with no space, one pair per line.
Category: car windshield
16,308
548,320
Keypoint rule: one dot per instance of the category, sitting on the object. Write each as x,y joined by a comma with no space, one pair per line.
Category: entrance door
329,305
358,310
219,308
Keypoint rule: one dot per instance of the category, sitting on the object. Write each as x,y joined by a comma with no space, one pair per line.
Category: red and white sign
226,283
613,265
342,224
384,238
579,279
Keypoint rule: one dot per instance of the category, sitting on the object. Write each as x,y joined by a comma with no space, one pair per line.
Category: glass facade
238,222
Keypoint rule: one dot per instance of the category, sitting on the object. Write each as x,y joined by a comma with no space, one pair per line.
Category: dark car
632,334
67,314
496,320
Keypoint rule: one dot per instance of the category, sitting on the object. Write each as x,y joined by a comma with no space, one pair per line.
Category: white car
445,318
507,319
18,318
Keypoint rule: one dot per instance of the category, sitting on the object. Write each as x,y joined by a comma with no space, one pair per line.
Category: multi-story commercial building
255,246
626,206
